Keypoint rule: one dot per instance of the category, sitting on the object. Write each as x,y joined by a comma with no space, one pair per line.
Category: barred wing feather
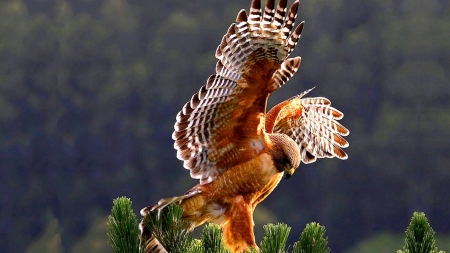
312,124
214,128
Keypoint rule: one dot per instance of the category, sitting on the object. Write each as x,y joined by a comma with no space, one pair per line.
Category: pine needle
123,232
212,239
275,238
419,236
312,240
168,228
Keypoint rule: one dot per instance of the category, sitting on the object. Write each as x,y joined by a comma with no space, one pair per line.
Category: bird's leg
238,226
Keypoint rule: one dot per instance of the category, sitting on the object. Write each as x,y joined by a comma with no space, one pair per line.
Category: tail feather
148,242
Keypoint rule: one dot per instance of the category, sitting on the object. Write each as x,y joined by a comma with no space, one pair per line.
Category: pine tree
170,231
123,231
312,240
419,236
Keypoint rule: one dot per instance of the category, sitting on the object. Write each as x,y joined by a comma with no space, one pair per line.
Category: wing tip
294,7
241,16
343,155
256,4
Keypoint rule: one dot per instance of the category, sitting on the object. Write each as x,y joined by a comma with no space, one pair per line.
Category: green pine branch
168,228
275,238
171,232
123,231
312,240
195,247
419,236
212,239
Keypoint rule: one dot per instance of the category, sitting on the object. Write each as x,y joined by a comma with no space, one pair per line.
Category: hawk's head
285,153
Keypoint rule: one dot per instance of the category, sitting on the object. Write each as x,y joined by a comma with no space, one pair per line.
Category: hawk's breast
246,179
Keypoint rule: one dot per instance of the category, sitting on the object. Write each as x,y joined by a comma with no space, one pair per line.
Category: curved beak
288,173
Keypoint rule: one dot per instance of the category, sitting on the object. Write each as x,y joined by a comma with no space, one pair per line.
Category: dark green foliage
212,239
168,228
196,246
419,236
123,232
275,238
170,231
312,240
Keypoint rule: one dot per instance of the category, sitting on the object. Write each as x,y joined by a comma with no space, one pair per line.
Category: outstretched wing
312,124
216,128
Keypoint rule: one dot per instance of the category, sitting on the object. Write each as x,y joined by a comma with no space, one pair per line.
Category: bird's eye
287,162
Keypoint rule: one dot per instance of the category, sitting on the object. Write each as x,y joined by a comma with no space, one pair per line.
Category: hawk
228,141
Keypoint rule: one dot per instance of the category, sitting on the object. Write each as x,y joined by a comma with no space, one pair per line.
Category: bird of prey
230,142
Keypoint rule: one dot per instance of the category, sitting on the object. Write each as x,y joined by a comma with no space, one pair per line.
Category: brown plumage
228,141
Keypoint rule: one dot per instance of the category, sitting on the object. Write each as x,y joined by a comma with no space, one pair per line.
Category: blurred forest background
89,90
